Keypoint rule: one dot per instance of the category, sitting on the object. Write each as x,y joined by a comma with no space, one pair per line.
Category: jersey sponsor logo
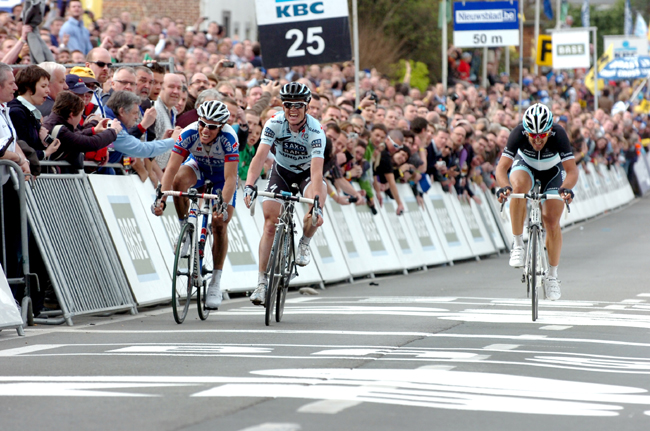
269,133
294,149
316,143
232,158
235,146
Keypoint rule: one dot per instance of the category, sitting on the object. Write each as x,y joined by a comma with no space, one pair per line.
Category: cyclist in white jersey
537,149
207,150
299,143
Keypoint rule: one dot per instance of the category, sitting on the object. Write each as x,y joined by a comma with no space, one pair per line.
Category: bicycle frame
281,264
536,263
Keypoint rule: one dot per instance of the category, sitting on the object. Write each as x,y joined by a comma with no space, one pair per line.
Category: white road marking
501,347
644,295
632,301
441,389
268,426
76,389
200,348
330,407
29,349
616,307
555,327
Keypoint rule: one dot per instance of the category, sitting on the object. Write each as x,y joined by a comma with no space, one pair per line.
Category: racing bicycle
282,268
536,262
189,277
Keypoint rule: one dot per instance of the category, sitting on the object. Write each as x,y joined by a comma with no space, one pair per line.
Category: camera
48,139
373,96
453,97
228,64
440,164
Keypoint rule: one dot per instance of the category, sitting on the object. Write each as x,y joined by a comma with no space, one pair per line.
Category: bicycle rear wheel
534,278
182,275
273,275
286,267
206,268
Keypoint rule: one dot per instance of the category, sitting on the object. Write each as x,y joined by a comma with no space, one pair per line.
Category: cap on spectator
528,81
76,85
638,118
85,73
563,118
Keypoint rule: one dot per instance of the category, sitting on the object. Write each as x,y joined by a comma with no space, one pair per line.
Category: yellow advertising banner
602,62
544,50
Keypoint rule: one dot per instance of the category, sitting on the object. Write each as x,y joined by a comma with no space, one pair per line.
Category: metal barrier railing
87,164
169,64
77,249
18,179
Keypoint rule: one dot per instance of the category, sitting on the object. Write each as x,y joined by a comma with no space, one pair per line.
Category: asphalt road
451,348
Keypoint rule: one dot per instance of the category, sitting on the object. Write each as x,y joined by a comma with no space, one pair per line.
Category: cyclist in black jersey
537,149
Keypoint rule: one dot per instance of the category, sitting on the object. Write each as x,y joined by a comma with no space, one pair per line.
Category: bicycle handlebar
540,196
286,196
191,195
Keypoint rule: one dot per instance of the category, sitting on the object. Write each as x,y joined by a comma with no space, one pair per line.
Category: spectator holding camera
67,112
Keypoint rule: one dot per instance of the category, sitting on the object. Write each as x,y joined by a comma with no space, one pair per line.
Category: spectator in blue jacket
74,27
126,108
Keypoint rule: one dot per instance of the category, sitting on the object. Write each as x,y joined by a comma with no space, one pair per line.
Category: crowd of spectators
111,113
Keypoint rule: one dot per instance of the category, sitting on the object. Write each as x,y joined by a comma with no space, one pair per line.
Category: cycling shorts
282,180
216,179
550,179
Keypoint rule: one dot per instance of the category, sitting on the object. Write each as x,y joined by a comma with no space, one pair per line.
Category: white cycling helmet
213,110
295,91
537,119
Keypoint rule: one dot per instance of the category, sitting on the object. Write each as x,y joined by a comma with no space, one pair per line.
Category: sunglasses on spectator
102,64
449,148
125,82
537,135
294,105
209,126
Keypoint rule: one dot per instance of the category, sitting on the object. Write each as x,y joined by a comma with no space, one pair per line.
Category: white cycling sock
552,271
261,277
519,240
305,240
216,277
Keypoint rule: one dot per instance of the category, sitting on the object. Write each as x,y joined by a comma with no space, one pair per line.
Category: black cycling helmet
295,91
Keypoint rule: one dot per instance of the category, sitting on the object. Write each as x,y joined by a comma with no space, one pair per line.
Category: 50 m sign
301,32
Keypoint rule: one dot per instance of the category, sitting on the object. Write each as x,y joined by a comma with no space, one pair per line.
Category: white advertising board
571,49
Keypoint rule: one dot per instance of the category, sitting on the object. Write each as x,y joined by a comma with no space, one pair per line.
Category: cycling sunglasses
537,135
102,64
209,126
294,105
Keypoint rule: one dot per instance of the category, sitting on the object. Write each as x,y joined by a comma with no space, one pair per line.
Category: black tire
534,277
206,268
286,267
273,276
182,275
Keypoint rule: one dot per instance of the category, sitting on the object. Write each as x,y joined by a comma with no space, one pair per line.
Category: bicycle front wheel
286,268
534,277
273,275
182,275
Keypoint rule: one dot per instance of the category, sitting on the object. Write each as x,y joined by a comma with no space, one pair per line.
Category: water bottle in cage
202,238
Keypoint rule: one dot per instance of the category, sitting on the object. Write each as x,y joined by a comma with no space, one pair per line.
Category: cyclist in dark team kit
299,142
537,149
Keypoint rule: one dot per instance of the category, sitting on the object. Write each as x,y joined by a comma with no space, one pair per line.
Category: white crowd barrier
352,243
9,315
